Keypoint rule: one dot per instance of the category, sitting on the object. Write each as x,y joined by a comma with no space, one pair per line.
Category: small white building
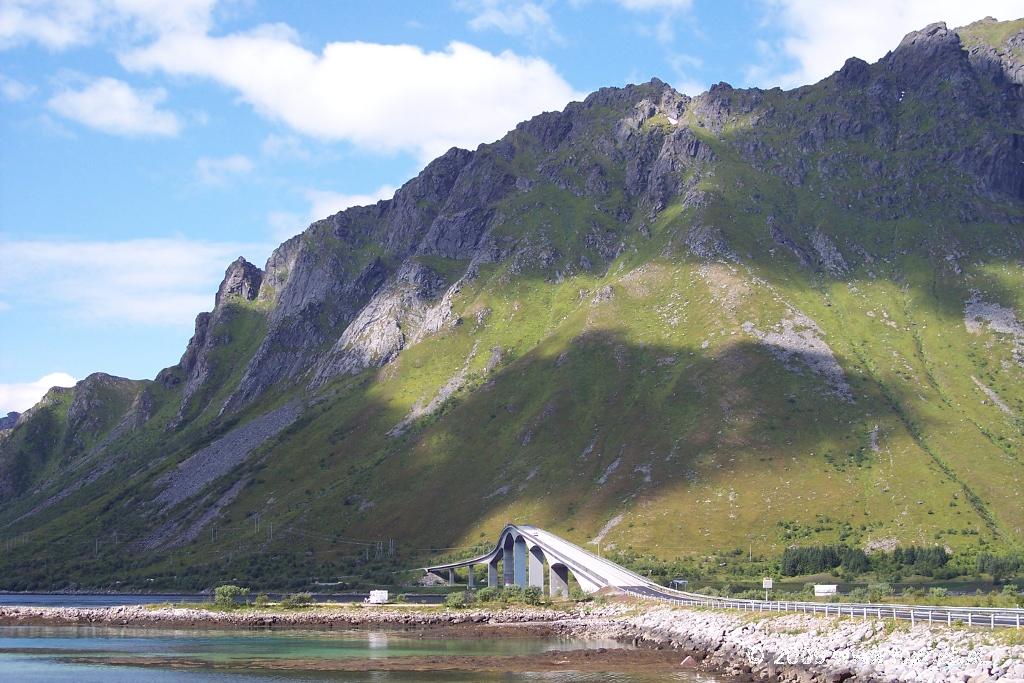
825,589
377,597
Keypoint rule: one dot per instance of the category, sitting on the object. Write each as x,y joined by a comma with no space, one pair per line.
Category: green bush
456,600
262,600
937,592
512,594
489,594
533,595
296,600
227,595
401,597
879,591
578,595
859,595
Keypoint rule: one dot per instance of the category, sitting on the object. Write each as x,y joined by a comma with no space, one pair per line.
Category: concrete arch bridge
523,552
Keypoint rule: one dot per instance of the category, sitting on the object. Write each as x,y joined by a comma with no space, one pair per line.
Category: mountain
677,325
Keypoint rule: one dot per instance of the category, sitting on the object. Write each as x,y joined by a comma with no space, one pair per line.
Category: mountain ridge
655,297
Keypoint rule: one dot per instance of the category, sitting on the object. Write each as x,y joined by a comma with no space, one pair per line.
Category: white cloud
323,203
62,24
13,90
529,19
647,5
817,37
159,282
385,98
668,11
19,397
684,66
113,106
217,171
285,147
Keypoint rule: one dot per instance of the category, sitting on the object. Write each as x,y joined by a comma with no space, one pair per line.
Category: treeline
822,558
926,561
999,566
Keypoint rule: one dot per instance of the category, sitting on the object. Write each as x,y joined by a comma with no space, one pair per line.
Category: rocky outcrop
392,317
241,279
9,420
1003,60
242,282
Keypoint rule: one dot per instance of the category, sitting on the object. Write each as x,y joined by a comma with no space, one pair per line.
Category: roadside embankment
751,647
799,647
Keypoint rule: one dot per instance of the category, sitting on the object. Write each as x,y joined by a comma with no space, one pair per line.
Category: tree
227,595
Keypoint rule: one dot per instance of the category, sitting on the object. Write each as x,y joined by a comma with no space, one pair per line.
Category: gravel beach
781,647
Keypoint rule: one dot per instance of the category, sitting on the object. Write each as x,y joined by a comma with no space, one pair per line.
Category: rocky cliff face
732,309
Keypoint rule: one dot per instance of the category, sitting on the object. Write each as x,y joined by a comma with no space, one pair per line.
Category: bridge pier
558,580
470,578
508,562
451,577
492,573
536,578
520,562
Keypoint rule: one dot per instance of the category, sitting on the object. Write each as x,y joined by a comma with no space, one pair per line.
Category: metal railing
992,617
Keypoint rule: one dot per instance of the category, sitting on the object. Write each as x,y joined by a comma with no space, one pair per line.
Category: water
86,654
115,599
94,600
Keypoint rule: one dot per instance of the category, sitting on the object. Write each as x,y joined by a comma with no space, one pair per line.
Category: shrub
859,595
879,591
489,594
937,592
578,595
512,594
262,600
533,595
456,600
401,597
227,595
296,600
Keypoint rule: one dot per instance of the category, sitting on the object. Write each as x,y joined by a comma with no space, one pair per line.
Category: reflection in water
377,640
64,654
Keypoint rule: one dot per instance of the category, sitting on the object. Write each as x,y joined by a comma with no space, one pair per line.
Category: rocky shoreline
814,648
784,647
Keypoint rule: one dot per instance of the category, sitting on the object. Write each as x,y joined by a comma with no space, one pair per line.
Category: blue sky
144,145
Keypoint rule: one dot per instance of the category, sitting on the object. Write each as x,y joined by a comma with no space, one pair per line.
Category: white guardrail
992,617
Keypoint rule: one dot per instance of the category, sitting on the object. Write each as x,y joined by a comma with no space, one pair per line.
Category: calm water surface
116,599
72,653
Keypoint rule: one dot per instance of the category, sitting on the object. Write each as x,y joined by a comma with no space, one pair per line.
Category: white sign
377,597
766,583
821,589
